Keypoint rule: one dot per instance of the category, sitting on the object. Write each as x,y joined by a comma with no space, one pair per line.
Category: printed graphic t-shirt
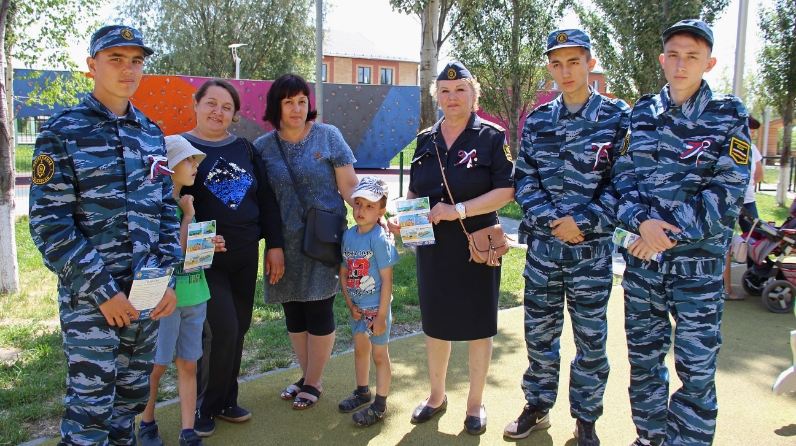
364,255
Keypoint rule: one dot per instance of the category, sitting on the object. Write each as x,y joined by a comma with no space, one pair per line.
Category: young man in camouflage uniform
563,182
681,180
98,213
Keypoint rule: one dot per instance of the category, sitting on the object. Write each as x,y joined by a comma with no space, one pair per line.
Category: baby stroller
771,277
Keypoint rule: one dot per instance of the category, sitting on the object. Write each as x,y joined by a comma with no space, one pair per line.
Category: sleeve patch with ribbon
739,151
507,151
42,170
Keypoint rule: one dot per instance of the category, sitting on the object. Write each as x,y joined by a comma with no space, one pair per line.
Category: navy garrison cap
117,35
694,26
454,70
563,38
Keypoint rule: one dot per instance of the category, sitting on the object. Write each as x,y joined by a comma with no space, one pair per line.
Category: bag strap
445,180
292,178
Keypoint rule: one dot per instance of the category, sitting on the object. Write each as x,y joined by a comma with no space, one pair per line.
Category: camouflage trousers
107,383
696,305
585,286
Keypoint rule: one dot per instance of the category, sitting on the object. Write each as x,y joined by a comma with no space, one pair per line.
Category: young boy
183,329
680,182
563,183
366,279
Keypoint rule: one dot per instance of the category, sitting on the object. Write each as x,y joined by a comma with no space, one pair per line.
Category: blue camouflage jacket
94,212
564,168
689,166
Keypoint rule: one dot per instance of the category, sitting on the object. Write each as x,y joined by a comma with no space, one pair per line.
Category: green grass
408,152
771,175
23,158
511,210
769,210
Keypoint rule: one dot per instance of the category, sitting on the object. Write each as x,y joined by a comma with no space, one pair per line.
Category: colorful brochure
149,284
625,239
200,248
415,225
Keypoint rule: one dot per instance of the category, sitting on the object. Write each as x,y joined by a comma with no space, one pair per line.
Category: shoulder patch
739,151
42,170
507,151
493,125
626,144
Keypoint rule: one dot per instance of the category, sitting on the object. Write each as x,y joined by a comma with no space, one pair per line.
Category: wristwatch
461,210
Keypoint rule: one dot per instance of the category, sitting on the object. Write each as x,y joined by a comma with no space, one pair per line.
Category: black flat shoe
424,412
476,425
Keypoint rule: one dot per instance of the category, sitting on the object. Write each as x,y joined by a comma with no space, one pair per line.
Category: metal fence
26,131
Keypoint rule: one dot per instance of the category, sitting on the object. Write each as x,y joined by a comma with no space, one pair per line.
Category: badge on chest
695,149
467,158
603,153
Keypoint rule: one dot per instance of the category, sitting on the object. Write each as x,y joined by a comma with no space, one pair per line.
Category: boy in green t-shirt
183,329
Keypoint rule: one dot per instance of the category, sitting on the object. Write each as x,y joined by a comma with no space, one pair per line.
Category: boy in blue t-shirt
366,279
182,331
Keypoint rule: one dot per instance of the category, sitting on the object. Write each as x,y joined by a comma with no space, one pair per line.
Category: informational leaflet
415,225
149,284
200,248
625,239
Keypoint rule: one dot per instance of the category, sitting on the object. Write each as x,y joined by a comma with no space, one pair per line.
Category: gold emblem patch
126,34
451,73
626,144
43,169
739,151
561,38
507,151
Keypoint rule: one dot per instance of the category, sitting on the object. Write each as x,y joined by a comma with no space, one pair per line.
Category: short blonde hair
475,87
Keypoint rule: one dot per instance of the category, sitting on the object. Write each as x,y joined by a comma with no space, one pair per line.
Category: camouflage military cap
563,38
117,35
693,26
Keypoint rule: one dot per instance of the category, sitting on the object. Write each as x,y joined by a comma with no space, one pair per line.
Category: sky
400,33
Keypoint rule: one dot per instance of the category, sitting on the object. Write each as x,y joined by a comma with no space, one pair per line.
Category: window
323,73
595,85
363,75
386,76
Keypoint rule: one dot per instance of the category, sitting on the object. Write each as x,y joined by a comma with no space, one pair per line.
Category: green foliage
191,37
502,42
778,57
753,92
511,210
626,37
60,89
40,31
23,158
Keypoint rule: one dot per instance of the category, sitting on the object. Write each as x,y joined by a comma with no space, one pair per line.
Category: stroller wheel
752,283
778,296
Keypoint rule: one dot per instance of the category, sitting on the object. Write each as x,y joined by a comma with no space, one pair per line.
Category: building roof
338,43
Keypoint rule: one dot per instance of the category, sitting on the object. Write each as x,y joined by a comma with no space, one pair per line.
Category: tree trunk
9,274
429,55
787,124
516,83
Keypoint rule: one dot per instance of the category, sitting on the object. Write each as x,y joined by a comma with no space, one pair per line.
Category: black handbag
323,230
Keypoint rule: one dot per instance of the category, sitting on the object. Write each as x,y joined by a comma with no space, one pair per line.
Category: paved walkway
755,351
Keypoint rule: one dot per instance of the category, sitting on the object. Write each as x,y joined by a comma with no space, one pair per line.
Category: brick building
350,58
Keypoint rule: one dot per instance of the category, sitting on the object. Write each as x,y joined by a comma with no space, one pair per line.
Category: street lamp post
236,58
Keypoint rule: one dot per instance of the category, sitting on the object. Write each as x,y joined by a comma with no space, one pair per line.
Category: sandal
367,417
292,391
733,296
355,402
302,403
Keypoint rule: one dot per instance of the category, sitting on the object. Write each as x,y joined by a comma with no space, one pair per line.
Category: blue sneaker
204,425
190,439
235,414
148,435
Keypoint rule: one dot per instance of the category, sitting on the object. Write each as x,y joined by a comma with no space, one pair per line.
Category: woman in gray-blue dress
322,163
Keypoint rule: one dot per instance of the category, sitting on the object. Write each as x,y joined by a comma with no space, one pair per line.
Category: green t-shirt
191,287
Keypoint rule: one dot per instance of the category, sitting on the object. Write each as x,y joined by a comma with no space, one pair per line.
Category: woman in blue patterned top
322,163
